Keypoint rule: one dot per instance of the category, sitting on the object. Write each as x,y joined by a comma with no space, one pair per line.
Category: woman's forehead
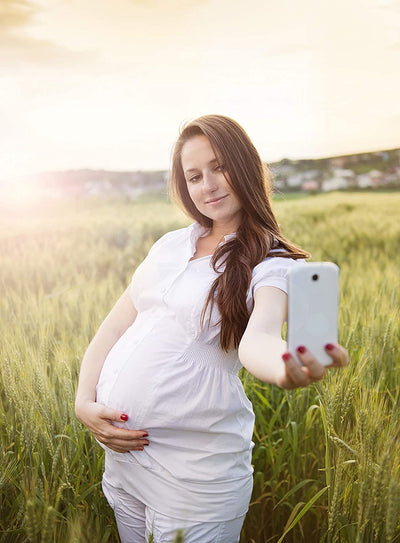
198,149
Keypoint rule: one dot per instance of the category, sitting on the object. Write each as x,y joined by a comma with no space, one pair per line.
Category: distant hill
363,170
99,182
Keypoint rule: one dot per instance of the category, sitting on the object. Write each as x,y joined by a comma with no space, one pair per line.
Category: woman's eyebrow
195,169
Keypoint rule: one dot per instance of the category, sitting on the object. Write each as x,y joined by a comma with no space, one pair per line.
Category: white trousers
136,522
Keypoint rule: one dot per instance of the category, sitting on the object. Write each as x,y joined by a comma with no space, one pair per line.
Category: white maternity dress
174,381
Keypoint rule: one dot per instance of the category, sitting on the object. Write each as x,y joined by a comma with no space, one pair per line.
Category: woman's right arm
96,417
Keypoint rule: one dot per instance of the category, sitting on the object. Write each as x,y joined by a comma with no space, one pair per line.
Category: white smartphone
313,305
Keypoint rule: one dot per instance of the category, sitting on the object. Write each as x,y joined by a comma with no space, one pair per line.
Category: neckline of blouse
200,231
197,231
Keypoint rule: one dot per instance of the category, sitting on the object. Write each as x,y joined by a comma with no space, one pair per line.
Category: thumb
114,414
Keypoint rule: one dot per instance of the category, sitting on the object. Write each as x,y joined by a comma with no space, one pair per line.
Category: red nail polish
286,356
329,347
124,417
301,349
145,434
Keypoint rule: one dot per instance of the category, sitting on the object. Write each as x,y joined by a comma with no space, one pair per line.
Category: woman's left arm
263,352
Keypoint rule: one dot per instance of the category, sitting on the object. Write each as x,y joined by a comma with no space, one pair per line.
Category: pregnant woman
159,384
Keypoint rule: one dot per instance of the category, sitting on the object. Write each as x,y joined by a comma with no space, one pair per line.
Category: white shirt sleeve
272,272
139,274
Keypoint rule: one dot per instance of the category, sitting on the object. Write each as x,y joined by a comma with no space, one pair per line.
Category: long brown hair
258,231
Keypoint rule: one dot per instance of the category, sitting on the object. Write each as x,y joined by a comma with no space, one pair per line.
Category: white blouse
171,376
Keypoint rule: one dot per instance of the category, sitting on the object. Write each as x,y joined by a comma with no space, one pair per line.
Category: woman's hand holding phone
312,324
310,371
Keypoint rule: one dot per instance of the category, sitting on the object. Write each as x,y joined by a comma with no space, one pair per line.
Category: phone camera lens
315,277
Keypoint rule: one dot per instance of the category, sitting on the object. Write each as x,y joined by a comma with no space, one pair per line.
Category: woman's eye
220,167
194,179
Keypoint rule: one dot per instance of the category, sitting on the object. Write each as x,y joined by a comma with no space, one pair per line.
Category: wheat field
326,458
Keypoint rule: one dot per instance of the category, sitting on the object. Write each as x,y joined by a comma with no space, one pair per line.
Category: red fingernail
124,417
301,349
145,434
286,356
329,347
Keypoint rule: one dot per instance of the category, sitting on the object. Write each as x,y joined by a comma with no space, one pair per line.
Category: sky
107,84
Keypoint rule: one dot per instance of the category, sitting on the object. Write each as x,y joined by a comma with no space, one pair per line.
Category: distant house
335,183
342,179
310,186
377,178
339,161
393,175
279,183
383,154
280,174
298,179
294,180
364,181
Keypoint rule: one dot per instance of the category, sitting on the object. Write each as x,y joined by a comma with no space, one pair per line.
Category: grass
326,458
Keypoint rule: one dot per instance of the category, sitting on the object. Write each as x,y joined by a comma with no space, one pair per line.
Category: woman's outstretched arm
263,352
97,418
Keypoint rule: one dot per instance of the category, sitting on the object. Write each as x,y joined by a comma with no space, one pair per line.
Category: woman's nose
209,182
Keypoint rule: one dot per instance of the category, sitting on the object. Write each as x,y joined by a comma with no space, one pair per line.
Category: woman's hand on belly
98,419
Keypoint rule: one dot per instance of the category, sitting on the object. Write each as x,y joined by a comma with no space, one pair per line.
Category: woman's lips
216,201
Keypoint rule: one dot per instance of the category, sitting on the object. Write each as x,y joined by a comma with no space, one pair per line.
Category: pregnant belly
196,415
167,390
133,374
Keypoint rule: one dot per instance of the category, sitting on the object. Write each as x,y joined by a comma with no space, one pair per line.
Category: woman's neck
220,230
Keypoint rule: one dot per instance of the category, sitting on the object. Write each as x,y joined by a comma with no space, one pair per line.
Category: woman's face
210,191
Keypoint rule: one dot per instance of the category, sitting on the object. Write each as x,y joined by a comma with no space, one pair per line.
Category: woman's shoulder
272,262
173,236
273,272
